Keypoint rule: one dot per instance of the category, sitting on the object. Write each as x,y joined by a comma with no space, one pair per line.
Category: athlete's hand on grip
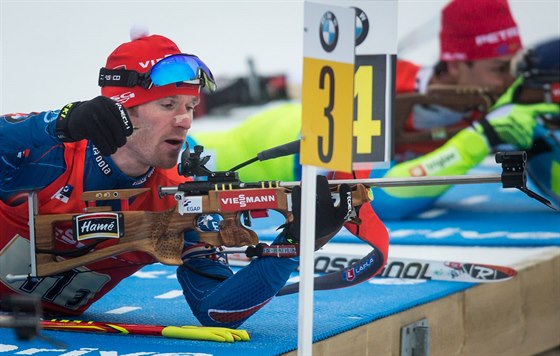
329,218
101,120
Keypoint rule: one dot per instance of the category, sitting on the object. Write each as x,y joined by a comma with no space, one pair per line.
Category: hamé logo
98,225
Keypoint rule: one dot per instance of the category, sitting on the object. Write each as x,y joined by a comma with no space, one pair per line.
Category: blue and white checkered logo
362,26
328,31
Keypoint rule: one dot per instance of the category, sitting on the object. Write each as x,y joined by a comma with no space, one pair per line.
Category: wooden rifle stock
159,234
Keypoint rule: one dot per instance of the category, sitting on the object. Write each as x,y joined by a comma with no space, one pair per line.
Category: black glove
101,120
328,219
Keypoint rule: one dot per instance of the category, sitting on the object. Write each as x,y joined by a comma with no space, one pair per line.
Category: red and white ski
407,268
446,271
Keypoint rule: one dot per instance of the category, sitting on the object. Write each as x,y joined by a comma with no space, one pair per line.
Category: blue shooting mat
481,215
153,297
467,215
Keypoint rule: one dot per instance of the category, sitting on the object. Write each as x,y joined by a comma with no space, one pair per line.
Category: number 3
326,157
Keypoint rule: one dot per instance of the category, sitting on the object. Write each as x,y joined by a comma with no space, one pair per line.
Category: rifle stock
160,234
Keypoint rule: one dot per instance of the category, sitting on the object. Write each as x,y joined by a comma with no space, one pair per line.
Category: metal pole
32,211
306,262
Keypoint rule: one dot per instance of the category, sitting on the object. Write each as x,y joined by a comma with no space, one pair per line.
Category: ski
446,271
175,332
200,333
406,268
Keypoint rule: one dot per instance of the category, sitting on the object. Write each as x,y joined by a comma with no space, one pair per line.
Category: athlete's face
484,72
161,129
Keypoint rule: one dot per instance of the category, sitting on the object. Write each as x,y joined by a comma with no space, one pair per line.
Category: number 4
365,127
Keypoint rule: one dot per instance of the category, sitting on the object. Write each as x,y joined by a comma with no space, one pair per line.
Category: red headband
140,55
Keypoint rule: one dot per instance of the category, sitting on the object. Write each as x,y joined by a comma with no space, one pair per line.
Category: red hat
477,29
140,55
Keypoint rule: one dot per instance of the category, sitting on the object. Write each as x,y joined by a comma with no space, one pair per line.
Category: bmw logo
328,31
209,222
362,26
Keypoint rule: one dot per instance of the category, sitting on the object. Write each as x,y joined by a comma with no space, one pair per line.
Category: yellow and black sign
374,90
372,135
328,86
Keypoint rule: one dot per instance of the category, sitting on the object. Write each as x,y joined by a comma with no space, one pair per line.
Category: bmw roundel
362,26
328,31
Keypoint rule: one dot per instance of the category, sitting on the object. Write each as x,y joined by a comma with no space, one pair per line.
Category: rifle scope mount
192,165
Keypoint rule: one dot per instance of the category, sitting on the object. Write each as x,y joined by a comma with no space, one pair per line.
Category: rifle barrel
381,182
414,181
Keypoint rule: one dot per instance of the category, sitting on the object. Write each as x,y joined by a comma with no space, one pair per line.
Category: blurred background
51,51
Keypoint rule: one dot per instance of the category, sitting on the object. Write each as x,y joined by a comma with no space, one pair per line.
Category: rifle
160,234
540,85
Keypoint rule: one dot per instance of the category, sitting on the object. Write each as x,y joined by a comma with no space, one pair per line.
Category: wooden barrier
517,317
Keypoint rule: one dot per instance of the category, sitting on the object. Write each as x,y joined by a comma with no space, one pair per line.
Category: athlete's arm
19,132
31,156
